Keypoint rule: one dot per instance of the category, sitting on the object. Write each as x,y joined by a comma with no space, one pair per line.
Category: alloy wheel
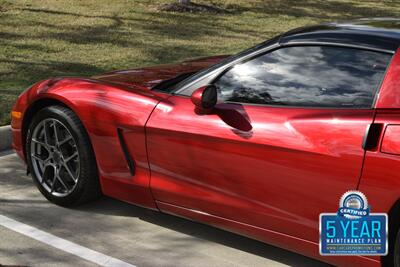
55,157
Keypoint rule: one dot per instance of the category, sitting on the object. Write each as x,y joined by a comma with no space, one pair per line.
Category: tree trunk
184,2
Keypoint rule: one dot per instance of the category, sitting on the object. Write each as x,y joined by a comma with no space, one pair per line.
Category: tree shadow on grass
30,72
319,9
23,72
162,36
113,33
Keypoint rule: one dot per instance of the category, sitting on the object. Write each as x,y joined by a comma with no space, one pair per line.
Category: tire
393,258
60,157
396,253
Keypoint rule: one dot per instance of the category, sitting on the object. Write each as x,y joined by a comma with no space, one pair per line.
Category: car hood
149,77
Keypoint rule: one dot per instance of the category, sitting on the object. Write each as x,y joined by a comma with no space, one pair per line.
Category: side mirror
205,98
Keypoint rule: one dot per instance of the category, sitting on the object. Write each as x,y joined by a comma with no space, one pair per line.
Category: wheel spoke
49,174
55,132
61,181
54,182
46,134
42,161
41,166
69,172
38,159
71,157
40,143
65,140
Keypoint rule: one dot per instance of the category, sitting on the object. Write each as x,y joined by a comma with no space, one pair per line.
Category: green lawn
45,38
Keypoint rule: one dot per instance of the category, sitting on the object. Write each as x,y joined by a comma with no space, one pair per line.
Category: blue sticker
353,230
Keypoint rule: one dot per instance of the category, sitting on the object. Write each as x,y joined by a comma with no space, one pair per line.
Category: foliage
41,39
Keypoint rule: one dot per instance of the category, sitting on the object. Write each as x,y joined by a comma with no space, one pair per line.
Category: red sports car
259,143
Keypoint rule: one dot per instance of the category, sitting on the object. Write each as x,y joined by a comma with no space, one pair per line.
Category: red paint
102,109
272,168
152,76
391,140
197,96
272,237
264,172
389,95
103,105
380,177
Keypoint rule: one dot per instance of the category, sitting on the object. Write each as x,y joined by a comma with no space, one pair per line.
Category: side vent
129,160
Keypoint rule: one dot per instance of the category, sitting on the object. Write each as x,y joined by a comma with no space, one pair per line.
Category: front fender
103,109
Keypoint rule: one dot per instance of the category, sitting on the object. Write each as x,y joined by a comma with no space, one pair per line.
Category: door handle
372,136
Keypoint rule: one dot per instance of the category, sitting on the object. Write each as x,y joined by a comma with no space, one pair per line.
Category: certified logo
353,230
353,205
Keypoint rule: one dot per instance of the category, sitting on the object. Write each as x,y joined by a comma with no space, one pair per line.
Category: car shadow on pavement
108,206
116,221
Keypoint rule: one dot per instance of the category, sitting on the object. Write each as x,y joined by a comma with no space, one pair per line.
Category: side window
309,76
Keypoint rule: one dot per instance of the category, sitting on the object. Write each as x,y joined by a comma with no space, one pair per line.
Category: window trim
225,68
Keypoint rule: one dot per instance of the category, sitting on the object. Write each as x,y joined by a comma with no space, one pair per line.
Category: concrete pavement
5,137
122,231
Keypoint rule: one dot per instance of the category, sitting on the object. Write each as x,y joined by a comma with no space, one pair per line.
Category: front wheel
395,260
60,157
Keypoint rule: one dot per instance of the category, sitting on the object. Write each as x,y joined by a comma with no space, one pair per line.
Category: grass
46,38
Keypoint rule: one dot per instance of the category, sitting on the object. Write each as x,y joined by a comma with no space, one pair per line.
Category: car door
283,144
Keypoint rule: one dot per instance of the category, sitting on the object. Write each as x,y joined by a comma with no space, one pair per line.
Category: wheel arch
33,109
394,225
103,109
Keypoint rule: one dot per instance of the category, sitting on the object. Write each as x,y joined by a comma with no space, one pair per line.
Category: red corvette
259,143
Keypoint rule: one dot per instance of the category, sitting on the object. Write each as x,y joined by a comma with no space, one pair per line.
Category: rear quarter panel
380,179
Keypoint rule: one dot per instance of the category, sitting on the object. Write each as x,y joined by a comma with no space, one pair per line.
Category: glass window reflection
313,76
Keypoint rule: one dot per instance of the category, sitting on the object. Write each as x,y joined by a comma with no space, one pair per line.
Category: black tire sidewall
395,261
